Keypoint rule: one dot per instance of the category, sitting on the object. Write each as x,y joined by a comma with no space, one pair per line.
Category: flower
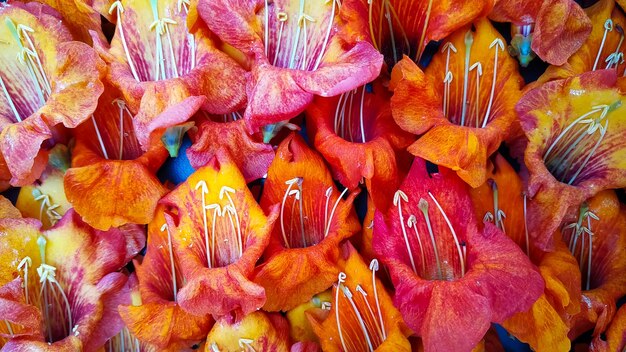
296,50
456,135
601,50
553,30
165,72
356,134
596,236
361,315
615,335
574,129
218,234
301,258
451,279
47,79
111,181
70,279
159,281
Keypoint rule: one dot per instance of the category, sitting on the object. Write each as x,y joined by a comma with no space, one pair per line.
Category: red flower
451,280
296,50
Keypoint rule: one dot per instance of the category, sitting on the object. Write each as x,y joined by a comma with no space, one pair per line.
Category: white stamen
361,116
469,40
348,295
294,48
340,279
225,190
288,192
412,222
332,212
329,192
204,190
99,136
497,43
24,266
423,206
456,239
374,268
398,197
608,27
117,6
330,26
171,253
479,73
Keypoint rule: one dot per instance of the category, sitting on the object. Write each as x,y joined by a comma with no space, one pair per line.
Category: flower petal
259,331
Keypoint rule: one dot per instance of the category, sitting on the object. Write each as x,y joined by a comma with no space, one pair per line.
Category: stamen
9,328
282,17
122,107
329,192
392,37
99,136
373,317
479,72
294,48
171,253
51,213
267,27
374,268
371,24
469,40
497,43
608,27
205,190
24,266
288,192
225,190
340,279
217,211
119,8
420,45
361,116
246,344
332,212
423,206
47,278
348,295
412,222
397,201
499,214
456,240
447,47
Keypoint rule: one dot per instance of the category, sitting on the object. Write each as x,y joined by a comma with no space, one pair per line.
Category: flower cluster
307,175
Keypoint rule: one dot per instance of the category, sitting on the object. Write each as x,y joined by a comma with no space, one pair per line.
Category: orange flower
69,275
601,50
301,259
596,236
405,27
575,128
472,66
560,28
46,79
356,134
218,233
361,315
160,279
112,181
257,331
165,73
544,326
451,279
296,50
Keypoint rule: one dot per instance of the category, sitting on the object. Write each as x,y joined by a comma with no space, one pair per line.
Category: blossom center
439,258
297,38
470,108
29,89
570,155
579,238
351,121
298,224
173,51
223,238
357,306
